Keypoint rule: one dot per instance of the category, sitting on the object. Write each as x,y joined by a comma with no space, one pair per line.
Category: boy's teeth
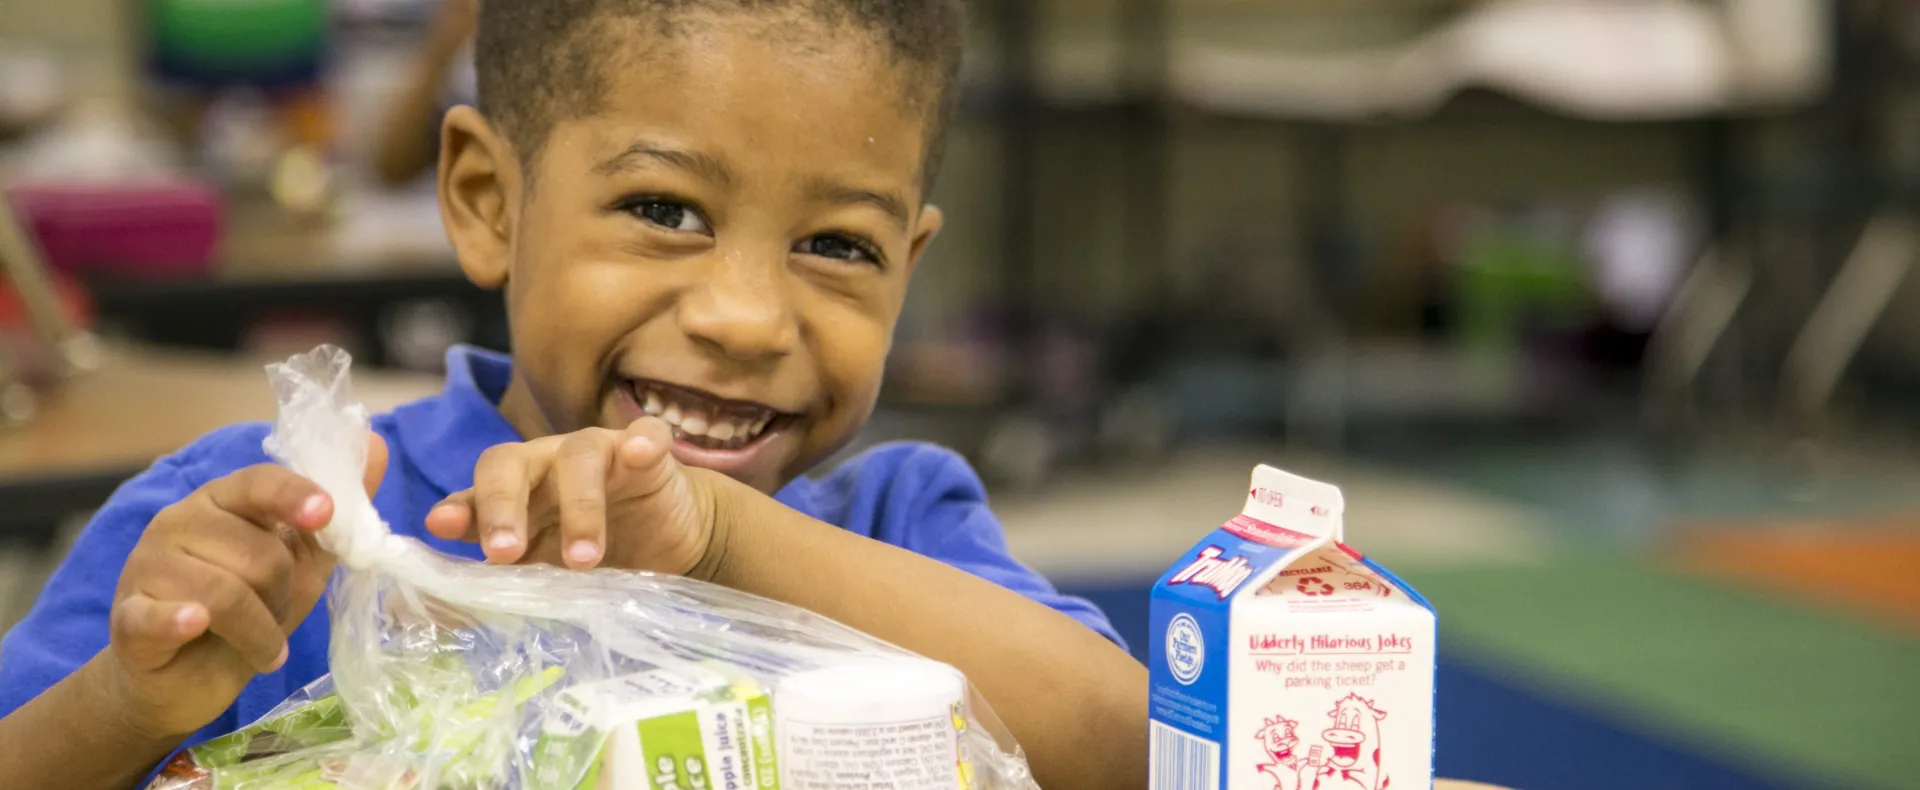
694,420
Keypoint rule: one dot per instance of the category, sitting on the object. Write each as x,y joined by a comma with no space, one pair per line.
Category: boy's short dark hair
541,61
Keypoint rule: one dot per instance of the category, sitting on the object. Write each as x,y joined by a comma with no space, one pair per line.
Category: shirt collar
443,436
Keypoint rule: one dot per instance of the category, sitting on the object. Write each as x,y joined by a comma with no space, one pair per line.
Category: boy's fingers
235,612
267,495
501,485
147,633
312,566
242,620
579,477
452,519
646,458
258,557
376,463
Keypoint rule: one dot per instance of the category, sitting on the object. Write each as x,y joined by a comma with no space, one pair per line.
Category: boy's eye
839,247
669,214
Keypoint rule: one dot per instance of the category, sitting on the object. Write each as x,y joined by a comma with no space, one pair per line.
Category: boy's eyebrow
690,161
892,204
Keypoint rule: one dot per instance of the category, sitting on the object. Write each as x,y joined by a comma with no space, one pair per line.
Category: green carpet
1827,699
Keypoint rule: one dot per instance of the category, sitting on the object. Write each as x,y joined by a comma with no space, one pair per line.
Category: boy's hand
212,589
587,498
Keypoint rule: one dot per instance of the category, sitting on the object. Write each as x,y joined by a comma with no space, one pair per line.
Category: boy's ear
480,187
925,229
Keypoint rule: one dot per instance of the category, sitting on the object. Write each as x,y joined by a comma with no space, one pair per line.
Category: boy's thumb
376,463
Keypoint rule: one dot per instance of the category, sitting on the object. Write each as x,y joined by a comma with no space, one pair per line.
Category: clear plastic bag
454,674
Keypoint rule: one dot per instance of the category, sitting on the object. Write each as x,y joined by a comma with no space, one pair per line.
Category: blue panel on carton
1189,618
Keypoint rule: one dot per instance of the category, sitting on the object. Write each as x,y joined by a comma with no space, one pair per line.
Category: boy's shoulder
220,453
912,464
887,488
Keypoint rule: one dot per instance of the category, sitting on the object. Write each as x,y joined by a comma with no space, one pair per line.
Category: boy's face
725,244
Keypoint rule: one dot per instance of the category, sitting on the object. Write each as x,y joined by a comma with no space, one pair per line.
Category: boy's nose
739,312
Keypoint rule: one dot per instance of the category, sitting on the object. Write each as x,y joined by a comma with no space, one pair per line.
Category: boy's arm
78,734
59,721
1076,702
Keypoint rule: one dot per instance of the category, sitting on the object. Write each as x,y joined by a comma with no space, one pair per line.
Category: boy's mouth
702,420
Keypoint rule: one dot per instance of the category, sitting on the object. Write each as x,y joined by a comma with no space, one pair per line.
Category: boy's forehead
732,92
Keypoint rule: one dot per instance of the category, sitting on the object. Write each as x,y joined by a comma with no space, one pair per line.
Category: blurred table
103,427
380,276
374,237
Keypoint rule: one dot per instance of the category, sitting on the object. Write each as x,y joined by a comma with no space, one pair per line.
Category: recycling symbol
1313,585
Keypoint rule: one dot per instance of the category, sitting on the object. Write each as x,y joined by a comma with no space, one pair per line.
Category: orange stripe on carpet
1871,569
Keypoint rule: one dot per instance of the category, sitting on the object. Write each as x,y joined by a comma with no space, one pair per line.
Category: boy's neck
518,406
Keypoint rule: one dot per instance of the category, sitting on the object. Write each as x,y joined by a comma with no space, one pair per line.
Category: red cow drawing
1288,770
1354,739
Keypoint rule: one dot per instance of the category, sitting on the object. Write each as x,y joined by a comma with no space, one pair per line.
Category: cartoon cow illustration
1355,741
1289,771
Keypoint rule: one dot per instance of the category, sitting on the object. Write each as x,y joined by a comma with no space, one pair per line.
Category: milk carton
1284,660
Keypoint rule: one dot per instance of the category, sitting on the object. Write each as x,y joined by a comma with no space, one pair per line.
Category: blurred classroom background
1600,311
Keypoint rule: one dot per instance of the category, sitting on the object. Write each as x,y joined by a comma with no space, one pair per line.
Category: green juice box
661,730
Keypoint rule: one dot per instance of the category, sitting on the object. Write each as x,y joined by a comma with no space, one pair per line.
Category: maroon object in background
157,229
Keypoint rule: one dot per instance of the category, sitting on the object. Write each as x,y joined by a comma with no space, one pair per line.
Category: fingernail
583,552
281,661
310,509
184,619
502,540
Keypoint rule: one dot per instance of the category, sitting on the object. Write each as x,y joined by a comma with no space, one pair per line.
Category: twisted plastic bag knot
322,434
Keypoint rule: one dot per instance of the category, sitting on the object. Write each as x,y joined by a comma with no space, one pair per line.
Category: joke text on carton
1330,661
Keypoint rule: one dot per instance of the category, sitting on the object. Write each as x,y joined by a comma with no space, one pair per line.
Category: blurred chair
53,347
1853,304
1695,323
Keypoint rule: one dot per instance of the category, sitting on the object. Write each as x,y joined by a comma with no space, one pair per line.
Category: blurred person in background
440,76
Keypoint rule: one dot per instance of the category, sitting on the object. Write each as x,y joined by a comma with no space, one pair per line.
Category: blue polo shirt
916,496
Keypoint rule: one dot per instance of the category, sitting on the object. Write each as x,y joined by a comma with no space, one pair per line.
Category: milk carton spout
1292,502
1284,659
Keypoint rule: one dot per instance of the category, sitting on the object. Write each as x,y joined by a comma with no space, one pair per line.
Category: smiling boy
704,215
